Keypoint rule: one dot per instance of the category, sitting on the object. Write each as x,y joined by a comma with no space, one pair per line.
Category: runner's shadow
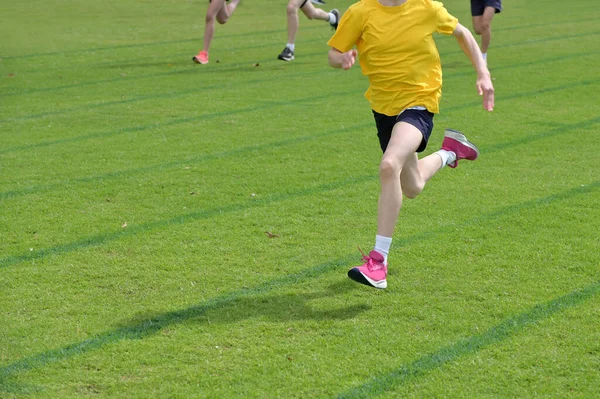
315,305
288,307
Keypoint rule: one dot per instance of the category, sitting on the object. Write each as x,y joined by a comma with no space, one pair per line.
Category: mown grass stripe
170,95
384,384
133,230
537,41
185,162
528,26
174,122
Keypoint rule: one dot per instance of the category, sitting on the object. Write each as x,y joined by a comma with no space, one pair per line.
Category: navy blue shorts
421,119
477,6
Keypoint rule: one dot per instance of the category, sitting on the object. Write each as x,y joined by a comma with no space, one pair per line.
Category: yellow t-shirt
397,51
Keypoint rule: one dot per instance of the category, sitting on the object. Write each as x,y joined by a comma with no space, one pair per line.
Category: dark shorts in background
419,118
477,6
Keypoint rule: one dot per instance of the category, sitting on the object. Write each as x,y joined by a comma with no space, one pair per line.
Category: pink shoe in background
201,58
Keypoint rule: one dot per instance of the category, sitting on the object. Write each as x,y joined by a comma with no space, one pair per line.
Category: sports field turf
172,230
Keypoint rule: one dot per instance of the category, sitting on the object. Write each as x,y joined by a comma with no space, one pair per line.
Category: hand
348,59
485,88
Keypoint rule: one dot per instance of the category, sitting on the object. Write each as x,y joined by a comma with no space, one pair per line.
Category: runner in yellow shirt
394,42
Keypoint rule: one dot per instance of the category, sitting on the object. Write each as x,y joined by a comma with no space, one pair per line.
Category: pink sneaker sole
372,273
357,276
458,143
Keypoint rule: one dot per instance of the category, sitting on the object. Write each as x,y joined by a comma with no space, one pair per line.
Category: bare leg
313,12
292,20
217,10
227,11
417,172
483,26
308,9
400,170
214,7
400,152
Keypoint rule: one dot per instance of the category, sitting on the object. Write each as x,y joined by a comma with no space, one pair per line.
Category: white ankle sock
382,245
332,18
290,46
447,157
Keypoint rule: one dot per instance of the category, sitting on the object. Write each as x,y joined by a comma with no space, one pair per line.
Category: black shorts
477,6
419,118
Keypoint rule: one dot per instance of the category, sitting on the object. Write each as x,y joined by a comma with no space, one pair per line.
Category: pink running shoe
372,273
201,58
456,142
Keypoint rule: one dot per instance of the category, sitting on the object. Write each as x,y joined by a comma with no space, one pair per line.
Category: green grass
136,190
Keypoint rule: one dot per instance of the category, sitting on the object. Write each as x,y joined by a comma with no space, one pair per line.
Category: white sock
382,245
484,56
447,157
332,18
290,46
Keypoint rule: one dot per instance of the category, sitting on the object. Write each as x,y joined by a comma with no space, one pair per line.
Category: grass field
171,230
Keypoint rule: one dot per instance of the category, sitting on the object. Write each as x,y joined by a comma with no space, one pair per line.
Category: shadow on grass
239,305
232,307
277,308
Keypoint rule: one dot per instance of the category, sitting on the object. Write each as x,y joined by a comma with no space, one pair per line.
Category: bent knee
413,191
389,168
291,9
482,28
211,17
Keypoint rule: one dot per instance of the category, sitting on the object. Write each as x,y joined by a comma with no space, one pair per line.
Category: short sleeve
445,23
348,31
